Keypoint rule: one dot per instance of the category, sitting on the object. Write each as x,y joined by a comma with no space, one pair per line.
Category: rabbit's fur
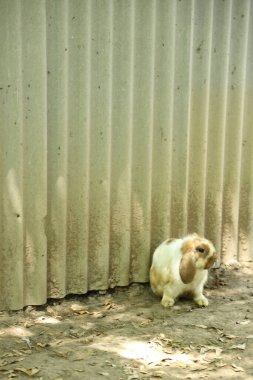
181,266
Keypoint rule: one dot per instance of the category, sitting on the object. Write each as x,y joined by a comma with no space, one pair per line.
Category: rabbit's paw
201,301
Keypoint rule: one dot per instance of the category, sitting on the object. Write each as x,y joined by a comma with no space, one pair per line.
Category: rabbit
181,266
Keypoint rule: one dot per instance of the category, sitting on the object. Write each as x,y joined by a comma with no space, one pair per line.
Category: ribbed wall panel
121,123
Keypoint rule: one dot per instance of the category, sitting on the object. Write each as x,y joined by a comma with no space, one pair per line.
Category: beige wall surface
122,123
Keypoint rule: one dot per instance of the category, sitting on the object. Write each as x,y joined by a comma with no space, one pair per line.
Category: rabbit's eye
201,250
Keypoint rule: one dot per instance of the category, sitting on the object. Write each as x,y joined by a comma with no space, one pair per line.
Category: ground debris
237,369
126,334
28,371
79,309
238,346
244,322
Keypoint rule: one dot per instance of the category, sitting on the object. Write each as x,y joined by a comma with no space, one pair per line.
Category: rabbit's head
197,254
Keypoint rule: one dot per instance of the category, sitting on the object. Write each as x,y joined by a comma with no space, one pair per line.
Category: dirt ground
126,334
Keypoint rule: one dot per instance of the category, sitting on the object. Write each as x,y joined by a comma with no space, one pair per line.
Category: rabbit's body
179,266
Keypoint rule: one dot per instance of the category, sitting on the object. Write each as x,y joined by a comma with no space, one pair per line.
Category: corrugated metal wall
122,122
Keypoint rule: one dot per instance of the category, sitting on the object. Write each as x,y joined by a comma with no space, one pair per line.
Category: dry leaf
98,314
28,324
199,367
43,345
108,304
146,322
28,371
11,375
143,372
7,355
205,349
79,309
5,362
158,374
237,369
50,310
82,312
219,364
109,364
245,322
238,347
18,353
230,336
107,301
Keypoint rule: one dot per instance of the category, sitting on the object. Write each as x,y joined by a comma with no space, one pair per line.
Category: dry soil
126,334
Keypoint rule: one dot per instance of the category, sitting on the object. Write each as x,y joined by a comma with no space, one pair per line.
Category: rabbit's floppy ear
187,268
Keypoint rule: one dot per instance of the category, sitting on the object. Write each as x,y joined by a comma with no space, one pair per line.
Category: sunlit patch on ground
137,350
15,331
47,320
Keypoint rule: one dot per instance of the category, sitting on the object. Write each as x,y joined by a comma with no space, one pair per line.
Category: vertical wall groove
180,135
188,121
217,121
131,134
245,196
142,116
57,144
164,74
78,145
99,225
11,154
121,143
233,131
111,53
34,154
152,121
207,111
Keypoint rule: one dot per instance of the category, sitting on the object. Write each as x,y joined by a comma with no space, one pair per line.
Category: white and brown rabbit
181,266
